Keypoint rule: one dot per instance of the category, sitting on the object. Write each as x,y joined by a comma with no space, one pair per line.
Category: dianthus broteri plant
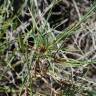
47,48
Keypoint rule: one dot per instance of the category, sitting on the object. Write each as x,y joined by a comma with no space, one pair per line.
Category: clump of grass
32,58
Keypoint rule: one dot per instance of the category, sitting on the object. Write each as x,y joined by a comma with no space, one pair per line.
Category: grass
32,58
